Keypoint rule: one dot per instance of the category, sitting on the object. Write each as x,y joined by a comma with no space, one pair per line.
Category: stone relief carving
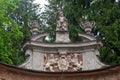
63,62
61,22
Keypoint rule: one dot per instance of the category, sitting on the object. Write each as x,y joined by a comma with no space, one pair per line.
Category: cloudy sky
42,3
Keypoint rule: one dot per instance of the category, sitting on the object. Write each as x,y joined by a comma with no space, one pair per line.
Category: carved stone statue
61,22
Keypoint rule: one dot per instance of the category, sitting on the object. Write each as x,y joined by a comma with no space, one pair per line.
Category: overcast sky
42,3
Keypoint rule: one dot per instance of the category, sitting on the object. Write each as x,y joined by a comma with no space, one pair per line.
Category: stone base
62,36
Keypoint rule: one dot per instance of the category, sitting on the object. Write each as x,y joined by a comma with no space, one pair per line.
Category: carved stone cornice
69,47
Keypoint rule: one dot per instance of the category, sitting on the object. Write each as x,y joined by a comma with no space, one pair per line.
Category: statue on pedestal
61,22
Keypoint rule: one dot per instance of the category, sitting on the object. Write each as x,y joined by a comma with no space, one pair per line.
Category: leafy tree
27,10
14,18
48,18
107,22
10,33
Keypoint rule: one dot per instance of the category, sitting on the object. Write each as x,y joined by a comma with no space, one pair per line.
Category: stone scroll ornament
64,62
35,26
62,23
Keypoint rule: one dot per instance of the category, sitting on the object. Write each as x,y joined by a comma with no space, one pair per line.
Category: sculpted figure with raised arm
62,23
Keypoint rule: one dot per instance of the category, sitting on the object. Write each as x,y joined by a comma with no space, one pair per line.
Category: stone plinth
62,36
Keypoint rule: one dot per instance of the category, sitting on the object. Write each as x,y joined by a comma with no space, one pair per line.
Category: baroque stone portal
62,55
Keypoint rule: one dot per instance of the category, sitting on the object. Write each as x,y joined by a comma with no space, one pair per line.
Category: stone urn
35,26
87,26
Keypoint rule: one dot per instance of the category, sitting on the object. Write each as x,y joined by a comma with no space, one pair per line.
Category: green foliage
26,11
107,22
49,17
14,18
108,56
10,33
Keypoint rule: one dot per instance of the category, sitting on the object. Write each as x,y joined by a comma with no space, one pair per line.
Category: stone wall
13,73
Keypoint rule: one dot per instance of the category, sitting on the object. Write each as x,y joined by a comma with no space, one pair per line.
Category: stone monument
62,55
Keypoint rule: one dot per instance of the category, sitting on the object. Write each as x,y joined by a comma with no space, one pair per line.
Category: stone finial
62,23
35,26
87,26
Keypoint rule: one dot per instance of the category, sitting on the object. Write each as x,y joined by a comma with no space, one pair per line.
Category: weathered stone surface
90,61
62,37
62,23
35,26
87,26
38,60
63,62
12,73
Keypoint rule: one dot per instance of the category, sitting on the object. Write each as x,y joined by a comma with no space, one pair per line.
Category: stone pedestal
62,36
